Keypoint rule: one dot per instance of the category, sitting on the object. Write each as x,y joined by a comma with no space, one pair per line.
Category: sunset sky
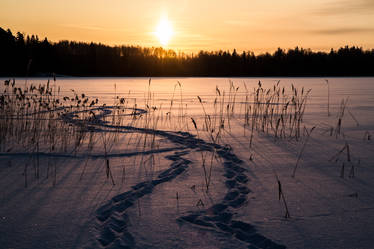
255,25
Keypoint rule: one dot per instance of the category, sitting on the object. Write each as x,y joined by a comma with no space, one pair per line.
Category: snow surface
159,199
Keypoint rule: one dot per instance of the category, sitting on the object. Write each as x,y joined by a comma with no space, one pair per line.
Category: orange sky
255,25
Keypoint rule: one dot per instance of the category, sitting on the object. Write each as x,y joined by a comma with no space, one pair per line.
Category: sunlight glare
164,31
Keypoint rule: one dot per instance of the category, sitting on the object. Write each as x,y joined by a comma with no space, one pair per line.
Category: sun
164,31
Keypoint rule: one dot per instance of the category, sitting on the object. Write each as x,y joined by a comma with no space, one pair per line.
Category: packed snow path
112,220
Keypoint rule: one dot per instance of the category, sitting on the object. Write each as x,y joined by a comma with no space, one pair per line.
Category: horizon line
195,52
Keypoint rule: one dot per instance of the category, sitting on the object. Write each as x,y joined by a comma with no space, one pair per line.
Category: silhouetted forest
29,56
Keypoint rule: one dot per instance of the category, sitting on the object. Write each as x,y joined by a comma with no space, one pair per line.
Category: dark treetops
29,56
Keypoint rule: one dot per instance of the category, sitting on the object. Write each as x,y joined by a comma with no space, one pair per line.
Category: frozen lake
356,88
201,167
359,90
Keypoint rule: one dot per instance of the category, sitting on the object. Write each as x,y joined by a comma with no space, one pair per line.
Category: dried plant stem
302,150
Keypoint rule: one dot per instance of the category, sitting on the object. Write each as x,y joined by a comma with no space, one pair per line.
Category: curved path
112,229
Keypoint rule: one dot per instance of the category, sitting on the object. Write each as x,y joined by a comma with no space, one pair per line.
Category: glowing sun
164,31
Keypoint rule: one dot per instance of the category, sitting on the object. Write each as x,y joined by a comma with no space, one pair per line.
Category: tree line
29,56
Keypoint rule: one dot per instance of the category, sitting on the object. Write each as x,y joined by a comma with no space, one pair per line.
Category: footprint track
112,221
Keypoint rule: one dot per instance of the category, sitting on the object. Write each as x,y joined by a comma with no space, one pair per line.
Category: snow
159,198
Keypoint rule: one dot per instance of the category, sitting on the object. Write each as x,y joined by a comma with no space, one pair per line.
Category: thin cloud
82,27
346,7
325,31
343,31
91,28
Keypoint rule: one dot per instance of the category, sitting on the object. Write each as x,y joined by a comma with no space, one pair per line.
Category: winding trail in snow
112,226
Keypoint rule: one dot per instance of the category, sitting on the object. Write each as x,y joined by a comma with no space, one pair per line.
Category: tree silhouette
31,56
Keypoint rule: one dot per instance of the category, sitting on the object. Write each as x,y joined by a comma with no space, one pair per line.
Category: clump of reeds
33,118
348,160
275,112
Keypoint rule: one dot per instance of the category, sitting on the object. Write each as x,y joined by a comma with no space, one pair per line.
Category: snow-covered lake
162,165
359,90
